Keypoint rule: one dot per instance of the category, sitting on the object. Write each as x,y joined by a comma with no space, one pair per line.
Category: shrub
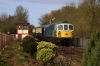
45,54
44,44
29,44
46,51
92,51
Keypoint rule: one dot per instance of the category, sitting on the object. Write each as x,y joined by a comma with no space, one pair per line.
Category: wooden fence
5,40
80,42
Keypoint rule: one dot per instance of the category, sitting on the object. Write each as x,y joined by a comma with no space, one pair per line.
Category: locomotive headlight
66,33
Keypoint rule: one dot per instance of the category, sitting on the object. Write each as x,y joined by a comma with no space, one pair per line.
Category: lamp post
52,20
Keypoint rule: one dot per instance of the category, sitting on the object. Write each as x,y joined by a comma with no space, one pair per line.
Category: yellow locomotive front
64,30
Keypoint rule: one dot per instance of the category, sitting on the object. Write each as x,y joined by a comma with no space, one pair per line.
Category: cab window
65,27
70,27
60,27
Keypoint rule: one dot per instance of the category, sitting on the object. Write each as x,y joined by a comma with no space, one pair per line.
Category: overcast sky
36,8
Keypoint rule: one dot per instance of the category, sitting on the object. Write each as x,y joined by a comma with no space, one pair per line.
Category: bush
44,44
29,44
45,54
92,51
46,51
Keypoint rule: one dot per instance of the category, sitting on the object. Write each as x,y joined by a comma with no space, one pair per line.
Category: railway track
72,53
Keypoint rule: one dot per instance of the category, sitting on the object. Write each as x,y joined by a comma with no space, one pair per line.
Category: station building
22,29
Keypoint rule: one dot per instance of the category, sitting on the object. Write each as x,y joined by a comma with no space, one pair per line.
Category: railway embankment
14,55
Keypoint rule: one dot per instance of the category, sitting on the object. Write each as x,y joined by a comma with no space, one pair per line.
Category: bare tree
21,13
3,17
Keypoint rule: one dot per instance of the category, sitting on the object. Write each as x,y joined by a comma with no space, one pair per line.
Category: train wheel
65,42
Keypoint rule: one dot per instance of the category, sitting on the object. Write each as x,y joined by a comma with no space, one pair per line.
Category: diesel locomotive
59,32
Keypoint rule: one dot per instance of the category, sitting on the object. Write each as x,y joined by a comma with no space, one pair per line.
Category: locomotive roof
42,26
54,24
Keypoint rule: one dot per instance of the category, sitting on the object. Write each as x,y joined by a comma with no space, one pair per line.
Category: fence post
6,40
0,43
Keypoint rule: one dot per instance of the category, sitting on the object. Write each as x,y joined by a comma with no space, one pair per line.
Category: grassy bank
14,55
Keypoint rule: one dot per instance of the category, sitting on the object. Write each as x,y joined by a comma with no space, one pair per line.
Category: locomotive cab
64,30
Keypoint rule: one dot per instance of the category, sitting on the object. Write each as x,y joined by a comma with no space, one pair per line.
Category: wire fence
5,40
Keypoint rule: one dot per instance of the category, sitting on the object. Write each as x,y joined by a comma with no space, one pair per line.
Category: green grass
5,51
19,53
5,63
21,60
22,52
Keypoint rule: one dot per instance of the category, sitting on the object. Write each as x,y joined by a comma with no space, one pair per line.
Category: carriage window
70,27
60,27
65,27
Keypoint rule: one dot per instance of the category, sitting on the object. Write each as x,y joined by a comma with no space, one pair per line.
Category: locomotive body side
50,31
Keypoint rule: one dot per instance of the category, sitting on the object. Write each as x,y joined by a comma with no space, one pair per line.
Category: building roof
22,22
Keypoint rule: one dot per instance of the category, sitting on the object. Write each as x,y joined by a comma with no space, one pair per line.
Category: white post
51,20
